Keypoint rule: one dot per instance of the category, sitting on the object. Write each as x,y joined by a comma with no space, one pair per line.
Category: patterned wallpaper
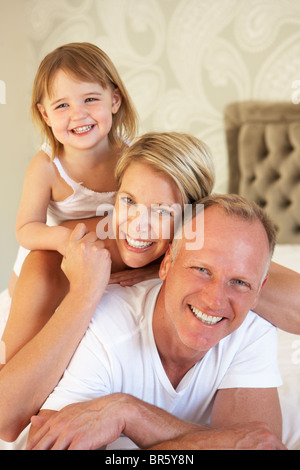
182,60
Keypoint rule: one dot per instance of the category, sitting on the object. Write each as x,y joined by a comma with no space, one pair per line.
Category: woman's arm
279,301
32,373
31,229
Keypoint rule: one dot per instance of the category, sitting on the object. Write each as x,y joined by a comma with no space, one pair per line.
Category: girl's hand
129,277
87,263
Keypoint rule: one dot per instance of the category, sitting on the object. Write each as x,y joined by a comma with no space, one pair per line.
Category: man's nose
214,295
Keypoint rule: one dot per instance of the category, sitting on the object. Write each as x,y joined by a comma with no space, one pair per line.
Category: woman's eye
127,200
161,210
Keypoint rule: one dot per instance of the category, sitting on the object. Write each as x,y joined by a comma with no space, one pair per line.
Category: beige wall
182,60
14,124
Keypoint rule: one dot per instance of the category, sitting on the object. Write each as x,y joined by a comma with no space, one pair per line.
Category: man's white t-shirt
118,354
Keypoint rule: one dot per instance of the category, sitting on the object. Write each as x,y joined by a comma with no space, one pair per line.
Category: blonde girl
86,117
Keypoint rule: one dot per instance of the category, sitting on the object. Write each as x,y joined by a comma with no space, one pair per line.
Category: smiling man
161,361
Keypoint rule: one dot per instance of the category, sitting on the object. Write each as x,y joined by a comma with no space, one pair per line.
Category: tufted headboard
263,144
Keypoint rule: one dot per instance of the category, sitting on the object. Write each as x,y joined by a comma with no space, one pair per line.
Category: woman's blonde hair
182,157
83,61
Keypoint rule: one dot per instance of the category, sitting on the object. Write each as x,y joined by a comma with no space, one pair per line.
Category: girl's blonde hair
182,157
86,62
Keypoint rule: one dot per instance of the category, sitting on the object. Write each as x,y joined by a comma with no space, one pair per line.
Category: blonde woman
158,173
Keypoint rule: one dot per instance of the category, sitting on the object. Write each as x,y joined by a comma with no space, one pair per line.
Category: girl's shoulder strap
56,161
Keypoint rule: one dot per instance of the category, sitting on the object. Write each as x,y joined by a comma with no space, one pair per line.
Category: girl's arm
31,229
279,302
32,373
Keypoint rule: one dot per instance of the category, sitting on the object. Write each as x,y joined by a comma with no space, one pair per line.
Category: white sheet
288,356
289,360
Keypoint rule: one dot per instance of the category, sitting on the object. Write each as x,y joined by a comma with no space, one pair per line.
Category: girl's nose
78,112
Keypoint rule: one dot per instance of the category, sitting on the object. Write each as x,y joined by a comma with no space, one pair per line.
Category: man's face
208,292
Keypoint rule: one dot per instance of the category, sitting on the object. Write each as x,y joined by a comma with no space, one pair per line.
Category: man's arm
234,406
94,424
280,299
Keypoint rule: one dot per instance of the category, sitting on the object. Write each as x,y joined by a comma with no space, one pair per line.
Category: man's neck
175,357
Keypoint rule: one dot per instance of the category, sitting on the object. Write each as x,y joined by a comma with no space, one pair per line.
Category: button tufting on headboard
263,143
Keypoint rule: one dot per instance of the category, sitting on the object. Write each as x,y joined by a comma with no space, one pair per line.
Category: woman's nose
140,225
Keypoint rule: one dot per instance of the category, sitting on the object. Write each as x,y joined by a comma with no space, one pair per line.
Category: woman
158,173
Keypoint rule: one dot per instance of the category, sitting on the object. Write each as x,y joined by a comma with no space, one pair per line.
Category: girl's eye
63,105
88,100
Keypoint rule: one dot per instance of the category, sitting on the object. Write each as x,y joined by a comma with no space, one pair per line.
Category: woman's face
146,207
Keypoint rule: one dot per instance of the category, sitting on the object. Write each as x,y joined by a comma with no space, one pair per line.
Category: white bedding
289,360
288,355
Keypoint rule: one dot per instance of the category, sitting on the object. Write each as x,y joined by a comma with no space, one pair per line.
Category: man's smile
207,319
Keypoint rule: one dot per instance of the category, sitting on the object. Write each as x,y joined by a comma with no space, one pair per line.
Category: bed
263,145
263,141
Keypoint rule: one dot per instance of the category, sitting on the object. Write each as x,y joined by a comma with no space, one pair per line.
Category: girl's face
79,113
145,211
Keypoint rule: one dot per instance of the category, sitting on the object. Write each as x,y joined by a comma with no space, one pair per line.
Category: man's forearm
147,425
279,302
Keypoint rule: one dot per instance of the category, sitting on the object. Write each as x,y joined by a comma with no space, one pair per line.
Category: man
162,360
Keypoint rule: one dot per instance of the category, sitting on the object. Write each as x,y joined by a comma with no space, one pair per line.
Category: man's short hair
235,206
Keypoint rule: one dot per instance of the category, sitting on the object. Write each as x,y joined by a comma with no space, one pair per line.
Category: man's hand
82,426
87,264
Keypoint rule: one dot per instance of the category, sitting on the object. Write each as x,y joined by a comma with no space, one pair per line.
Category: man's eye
240,283
201,270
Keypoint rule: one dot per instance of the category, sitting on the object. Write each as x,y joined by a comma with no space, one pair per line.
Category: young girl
86,116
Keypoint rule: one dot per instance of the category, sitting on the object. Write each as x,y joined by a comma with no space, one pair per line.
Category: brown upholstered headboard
263,143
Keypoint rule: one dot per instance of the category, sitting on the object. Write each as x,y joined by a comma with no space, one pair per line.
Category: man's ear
165,264
116,101
44,114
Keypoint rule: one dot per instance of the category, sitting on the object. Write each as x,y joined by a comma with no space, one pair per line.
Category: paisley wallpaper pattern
182,60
